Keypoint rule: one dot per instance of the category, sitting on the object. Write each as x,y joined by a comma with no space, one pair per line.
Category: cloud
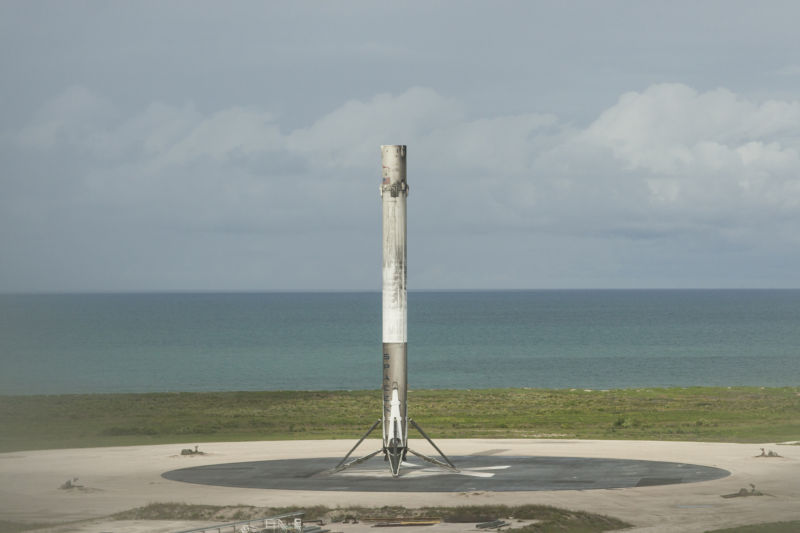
176,153
348,137
668,145
671,127
77,116
159,128
701,154
667,165
232,133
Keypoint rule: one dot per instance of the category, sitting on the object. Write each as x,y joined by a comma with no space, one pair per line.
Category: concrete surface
120,478
496,473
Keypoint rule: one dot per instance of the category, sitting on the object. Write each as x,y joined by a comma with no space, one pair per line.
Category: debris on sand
764,453
70,484
494,524
189,451
744,493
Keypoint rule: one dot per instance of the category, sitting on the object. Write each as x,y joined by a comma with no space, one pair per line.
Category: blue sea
589,339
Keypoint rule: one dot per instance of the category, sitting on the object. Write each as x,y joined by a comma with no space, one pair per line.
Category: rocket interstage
395,420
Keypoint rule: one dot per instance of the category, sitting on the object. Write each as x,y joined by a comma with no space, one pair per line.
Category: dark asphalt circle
477,473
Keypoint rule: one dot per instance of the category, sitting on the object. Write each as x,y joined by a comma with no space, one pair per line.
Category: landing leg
449,465
343,464
436,462
394,453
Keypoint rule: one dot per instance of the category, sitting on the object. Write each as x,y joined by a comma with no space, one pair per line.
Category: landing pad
477,473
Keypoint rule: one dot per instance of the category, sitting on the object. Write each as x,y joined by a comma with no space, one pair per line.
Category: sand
120,478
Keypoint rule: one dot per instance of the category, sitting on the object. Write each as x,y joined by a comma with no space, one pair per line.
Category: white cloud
160,127
661,128
668,145
701,149
231,133
76,116
349,136
658,166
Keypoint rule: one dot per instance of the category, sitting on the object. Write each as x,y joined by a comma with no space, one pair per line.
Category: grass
551,518
735,414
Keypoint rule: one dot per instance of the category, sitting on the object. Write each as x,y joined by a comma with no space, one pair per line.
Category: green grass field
737,414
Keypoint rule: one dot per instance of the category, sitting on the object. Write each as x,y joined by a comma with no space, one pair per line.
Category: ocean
588,339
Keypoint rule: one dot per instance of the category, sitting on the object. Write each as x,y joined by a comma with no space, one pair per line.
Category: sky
235,146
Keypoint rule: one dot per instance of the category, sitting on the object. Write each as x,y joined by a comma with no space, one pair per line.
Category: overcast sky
150,146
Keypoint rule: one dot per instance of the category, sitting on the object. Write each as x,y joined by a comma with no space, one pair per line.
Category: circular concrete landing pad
477,473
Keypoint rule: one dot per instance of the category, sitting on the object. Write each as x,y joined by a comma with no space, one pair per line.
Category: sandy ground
120,478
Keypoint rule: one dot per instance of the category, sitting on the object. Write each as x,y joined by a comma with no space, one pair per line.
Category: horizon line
100,292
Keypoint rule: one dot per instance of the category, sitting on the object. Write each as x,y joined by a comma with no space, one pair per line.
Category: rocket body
394,191
395,420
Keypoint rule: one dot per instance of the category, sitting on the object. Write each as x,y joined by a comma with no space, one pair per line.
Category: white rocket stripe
395,326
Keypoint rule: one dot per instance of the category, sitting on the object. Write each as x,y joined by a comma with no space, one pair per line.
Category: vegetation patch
722,414
213,513
116,431
548,518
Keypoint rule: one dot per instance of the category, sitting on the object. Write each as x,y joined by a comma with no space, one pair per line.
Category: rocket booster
394,191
